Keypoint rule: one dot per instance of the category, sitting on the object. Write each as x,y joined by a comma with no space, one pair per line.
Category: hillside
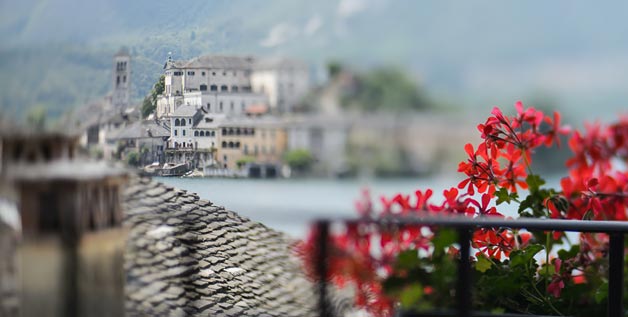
57,53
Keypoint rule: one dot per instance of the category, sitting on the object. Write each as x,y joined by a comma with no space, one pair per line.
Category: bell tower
121,84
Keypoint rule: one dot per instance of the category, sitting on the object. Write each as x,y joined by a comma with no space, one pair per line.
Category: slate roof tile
186,256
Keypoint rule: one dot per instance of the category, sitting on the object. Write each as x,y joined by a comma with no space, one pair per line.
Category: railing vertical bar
321,267
463,291
616,275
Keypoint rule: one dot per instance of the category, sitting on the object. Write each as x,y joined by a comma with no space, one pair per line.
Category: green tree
299,160
245,160
133,158
150,102
388,89
334,68
36,117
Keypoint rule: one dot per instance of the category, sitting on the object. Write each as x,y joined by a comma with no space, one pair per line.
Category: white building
231,84
284,81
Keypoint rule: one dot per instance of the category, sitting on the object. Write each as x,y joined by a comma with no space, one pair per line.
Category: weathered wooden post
70,256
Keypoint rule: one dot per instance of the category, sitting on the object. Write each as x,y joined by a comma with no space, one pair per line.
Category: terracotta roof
186,256
257,109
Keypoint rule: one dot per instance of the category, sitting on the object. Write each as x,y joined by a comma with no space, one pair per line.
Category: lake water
290,205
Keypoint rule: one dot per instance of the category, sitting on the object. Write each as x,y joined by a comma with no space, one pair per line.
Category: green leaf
411,295
568,254
393,285
534,182
502,196
483,263
408,259
602,293
524,256
525,204
444,238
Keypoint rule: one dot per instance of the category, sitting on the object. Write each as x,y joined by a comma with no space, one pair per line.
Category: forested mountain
57,53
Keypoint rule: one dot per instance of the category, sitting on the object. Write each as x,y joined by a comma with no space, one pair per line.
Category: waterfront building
246,140
147,138
233,84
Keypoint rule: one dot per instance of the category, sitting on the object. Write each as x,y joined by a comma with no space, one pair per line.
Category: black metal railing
464,226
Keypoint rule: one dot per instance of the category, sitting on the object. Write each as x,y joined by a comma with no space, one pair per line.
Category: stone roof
214,62
277,62
185,111
210,121
186,256
141,130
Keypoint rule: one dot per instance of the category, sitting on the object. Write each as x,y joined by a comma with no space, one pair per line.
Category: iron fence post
463,291
616,275
321,267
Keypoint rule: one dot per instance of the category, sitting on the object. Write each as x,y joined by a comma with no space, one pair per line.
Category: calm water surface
291,204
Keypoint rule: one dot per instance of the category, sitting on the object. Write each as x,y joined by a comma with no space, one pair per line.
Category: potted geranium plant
413,267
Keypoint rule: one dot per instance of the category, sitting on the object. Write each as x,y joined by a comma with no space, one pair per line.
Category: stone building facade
231,84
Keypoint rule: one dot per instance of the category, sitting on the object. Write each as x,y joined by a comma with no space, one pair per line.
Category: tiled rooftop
186,256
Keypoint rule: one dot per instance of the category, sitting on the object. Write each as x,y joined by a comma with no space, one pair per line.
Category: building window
199,134
177,123
224,88
190,73
213,73
183,122
221,106
209,106
231,106
231,145
203,87
124,79
178,73
190,121
234,88
183,132
213,88
224,144
175,132
202,73
224,73
196,133
224,131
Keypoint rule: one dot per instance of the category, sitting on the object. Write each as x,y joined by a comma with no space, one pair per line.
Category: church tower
121,79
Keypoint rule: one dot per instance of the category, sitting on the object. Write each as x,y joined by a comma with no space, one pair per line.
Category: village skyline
578,64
